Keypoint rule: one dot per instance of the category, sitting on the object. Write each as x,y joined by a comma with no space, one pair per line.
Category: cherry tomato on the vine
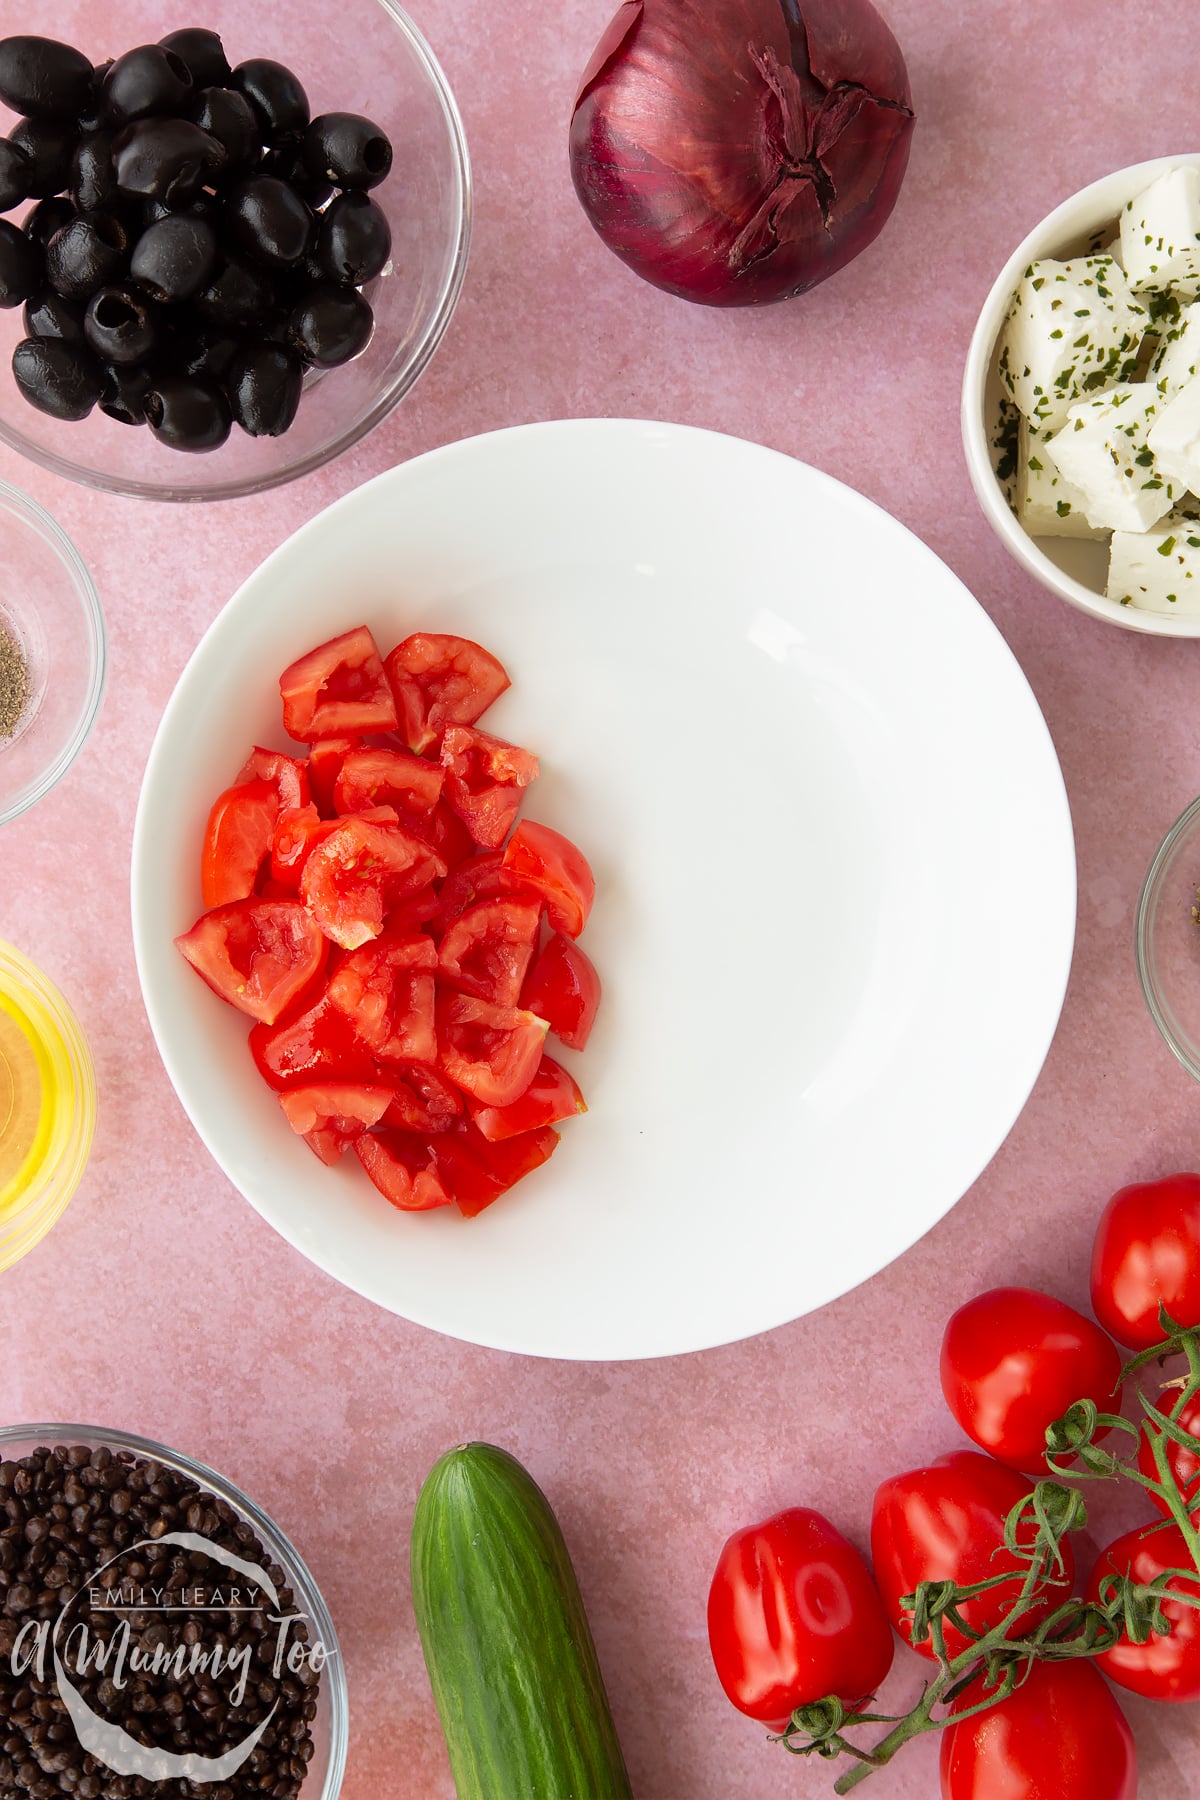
1183,1464
1060,1736
1146,1254
1165,1667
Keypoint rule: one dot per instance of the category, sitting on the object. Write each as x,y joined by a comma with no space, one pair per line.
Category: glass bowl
47,1105
50,612
331,1727
1167,939
366,57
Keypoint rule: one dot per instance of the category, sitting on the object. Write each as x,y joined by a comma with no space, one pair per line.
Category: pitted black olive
47,217
267,220
285,160
229,117
196,347
330,325
237,295
48,315
146,82
348,150
123,392
16,173
86,254
174,259
354,240
264,384
120,325
203,54
58,378
49,144
273,91
187,413
93,182
166,159
204,206
93,117
43,78
20,266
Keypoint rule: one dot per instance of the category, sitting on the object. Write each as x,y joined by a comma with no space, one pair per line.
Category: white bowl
1073,568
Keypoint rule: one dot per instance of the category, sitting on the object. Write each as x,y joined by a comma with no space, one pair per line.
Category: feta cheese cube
1174,437
1103,449
1046,503
1157,571
1072,328
1177,358
1160,235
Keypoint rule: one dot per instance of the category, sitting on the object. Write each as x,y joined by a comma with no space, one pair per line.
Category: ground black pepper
14,683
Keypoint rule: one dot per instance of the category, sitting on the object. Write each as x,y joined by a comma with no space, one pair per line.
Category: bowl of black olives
225,255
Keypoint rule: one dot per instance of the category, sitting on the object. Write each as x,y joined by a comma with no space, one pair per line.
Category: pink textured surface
163,1304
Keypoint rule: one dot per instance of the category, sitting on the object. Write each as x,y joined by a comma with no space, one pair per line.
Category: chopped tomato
288,777
237,842
551,1095
359,872
387,989
485,778
259,955
337,689
477,1172
330,1115
380,777
479,878
445,833
321,1043
488,949
297,830
537,857
423,1101
402,1169
324,765
439,680
488,1051
564,989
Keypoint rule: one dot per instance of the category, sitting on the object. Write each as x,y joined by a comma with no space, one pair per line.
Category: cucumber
506,1640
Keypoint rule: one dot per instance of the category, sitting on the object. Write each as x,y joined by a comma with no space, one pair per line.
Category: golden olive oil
27,1098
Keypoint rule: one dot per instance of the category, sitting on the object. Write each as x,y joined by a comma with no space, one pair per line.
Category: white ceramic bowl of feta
1114,537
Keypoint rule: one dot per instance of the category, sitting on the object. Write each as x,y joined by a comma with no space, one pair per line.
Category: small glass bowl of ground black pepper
51,652
160,1638
1167,939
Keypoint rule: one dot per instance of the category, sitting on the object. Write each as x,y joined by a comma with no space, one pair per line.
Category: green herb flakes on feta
1045,502
1104,449
1177,358
1073,328
1160,235
1159,570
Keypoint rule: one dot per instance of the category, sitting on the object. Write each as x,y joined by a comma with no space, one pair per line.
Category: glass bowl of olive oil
47,1105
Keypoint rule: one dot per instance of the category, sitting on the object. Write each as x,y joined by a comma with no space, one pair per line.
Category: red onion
739,151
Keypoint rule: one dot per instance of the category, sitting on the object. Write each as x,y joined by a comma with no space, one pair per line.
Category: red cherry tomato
1163,1668
543,860
476,1172
423,1101
1060,1736
259,955
403,1170
491,1052
1013,1361
794,1617
478,878
380,777
945,1522
287,776
564,989
440,680
551,1096
386,988
319,1044
323,767
331,1115
1146,1253
1183,1464
237,842
337,690
354,877
488,949
485,781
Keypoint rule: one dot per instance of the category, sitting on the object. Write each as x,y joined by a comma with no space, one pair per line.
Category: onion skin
737,152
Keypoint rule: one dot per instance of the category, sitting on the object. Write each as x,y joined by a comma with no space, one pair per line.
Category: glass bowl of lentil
1167,939
51,652
104,1568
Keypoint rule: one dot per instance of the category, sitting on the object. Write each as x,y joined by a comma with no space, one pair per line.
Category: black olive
93,181
354,239
174,259
50,316
187,413
266,219
123,392
16,172
43,78
20,266
237,295
199,348
264,384
204,206
330,325
49,145
348,150
146,81
202,52
274,93
59,379
47,217
93,117
85,255
229,117
285,159
166,159
120,325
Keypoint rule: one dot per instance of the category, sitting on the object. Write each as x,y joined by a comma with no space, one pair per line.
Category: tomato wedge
485,780
476,1172
445,834
488,949
323,767
288,777
338,689
551,1095
479,878
423,1101
438,680
259,955
237,842
550,864
403,1169
387,988
488,1051
330,1115
321,1043
564,989
381,777
359,872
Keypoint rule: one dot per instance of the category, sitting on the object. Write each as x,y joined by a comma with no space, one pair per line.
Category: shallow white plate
835,871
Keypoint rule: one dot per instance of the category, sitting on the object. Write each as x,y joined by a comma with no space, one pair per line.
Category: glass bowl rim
47,527
276,1540
189,493
1147,977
